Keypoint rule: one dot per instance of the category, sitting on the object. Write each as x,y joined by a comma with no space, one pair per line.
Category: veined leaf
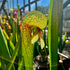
55,13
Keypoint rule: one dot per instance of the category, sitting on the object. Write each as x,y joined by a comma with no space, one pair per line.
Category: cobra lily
33,19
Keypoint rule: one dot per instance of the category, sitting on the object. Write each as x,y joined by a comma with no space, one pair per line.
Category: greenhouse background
26,5
46,45
40,5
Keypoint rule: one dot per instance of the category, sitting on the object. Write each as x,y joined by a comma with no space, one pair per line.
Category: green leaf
4,51
64,39
10,44
14,33
13,57
21,59
55,13
59,42
21,65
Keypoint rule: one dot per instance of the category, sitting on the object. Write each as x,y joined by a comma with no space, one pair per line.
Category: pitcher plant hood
36,18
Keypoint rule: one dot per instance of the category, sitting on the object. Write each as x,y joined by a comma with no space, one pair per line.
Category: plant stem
27,47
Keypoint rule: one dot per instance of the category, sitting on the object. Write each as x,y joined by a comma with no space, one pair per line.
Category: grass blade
10,44
9,66
4,51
